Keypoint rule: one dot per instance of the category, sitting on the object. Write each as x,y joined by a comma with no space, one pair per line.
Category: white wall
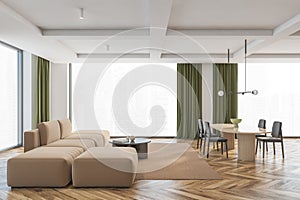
207,92
59,90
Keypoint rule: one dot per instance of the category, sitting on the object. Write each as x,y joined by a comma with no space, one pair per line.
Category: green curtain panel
43,92
189,99
225,77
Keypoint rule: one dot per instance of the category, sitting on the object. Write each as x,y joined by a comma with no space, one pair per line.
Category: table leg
230,139
142,150
246,147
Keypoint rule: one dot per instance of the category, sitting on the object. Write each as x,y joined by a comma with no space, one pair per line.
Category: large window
9,101
125,98
278,95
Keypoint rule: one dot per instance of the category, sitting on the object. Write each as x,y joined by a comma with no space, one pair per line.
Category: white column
207,92
27,91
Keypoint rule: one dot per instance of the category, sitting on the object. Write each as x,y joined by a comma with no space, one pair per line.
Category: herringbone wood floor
268,178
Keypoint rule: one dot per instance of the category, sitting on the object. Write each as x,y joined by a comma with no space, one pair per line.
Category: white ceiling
153,30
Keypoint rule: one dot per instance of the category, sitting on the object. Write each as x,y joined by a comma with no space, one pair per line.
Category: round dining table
245,136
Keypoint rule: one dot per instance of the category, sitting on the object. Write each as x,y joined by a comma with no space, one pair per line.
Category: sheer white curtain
9,97
139,103
278,95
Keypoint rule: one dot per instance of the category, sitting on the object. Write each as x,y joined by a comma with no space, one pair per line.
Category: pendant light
254,92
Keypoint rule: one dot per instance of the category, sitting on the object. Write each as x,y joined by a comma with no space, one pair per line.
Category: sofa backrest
46,133
49,132
65,127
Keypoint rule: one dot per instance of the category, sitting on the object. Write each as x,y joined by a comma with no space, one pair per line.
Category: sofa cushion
99,139
65,127
104,133
42,167
49,132
83,143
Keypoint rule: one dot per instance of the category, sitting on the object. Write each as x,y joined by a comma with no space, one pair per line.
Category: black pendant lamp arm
228,56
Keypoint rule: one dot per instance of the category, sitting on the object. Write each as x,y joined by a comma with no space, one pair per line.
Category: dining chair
200,133
276,136
208,138
261,125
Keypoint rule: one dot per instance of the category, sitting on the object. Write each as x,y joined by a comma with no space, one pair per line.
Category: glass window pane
278,95
9,97
141,99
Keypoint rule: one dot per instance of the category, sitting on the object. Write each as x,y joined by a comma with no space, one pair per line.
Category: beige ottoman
105,167
42,167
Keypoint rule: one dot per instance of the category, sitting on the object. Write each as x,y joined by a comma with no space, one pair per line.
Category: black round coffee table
140,144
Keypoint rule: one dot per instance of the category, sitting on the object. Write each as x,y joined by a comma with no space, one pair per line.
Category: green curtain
43,92
225,77
189,99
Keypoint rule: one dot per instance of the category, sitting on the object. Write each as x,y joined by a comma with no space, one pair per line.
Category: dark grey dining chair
200,134
276,136
208,138
261,125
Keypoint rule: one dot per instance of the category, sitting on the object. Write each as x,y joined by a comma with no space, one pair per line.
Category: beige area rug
174,161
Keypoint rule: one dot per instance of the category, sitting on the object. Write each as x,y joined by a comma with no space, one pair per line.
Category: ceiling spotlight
81,13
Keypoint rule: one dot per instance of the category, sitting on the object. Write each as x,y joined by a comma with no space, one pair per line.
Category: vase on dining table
235,122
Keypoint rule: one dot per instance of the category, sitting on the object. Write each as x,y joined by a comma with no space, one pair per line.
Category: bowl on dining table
235,122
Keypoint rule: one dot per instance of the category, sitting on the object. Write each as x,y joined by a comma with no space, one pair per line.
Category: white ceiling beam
221,32
295,35
194,55
147,55
288,28
275,55
28,37
197,57
5,9
160,12
143,32
180,57
100,58
282,31
113,55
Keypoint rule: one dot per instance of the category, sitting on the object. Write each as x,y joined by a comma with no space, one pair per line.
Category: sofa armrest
105,133
31,139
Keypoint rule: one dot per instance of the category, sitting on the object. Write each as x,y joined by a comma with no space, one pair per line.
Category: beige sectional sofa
51,150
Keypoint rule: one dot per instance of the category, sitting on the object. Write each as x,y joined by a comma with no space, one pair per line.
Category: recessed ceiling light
81,13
